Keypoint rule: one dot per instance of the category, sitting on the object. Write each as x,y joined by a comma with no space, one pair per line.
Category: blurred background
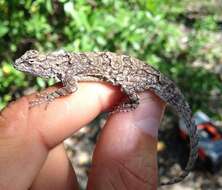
180,38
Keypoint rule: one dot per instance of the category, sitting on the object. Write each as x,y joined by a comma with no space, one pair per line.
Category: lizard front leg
70,86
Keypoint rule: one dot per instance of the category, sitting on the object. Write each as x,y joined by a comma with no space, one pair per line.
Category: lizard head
42,65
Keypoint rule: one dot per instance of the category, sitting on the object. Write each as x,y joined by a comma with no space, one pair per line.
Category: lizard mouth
21,65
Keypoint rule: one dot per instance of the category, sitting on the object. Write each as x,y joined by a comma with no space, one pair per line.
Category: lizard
130,74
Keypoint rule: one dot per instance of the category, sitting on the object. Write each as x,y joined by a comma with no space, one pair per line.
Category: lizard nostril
17,61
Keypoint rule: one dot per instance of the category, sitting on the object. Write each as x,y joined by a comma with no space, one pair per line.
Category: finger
57,172
27,135
125,155
72,112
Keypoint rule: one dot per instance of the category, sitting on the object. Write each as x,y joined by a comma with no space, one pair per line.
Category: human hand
32,156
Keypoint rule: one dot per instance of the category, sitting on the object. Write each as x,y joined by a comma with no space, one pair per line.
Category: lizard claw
41,98
124,107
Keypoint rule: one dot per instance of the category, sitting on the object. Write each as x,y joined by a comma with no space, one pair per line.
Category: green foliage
159,31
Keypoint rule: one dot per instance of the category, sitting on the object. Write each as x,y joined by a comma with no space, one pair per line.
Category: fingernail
149,113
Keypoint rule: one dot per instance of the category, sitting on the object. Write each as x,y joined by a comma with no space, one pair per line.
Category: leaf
41,83
49,6
3,29
69,8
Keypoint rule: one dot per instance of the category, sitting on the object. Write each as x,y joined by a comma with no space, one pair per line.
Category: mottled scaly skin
132,75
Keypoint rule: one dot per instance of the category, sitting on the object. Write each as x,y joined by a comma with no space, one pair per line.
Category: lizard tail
173,96
181,106
192,130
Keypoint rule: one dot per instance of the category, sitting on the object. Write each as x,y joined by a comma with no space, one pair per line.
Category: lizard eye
31,61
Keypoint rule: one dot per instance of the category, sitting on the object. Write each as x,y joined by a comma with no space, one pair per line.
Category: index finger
67,114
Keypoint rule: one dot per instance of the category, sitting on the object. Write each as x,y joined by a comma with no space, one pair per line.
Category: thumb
125,155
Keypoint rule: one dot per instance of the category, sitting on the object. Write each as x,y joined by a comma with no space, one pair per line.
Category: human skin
32,155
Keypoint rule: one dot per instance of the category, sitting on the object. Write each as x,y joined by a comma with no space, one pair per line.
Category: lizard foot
41,98
124,107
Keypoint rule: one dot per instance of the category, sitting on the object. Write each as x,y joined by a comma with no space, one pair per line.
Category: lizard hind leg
128,105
